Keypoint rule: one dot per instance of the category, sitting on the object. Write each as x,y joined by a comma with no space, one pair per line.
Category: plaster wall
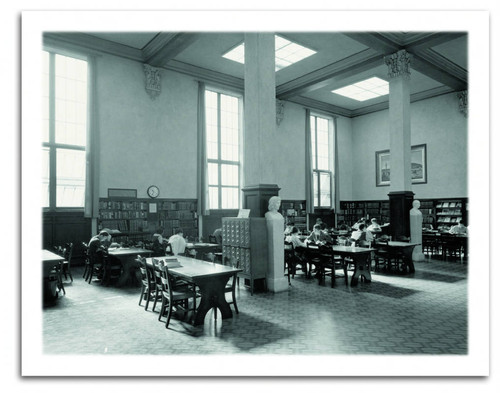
436,122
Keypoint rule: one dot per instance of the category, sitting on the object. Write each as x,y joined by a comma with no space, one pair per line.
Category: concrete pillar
260,108
400,141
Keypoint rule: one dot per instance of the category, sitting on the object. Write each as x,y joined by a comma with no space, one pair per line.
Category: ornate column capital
463,102
153,85
398,64
280,111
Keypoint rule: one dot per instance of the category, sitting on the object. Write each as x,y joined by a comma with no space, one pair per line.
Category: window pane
213,197
45,176
70,175
230,198
213,174
325,189
229,175
315,188
45,96
70,100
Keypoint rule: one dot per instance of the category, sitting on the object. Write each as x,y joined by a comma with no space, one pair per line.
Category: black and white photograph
207,197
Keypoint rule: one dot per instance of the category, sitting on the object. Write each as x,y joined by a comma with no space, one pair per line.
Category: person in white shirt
177,242
374,227
459,229
362,235
293,238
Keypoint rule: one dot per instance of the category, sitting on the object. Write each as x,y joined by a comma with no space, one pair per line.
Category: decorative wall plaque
398,64
153,85
280,111
463,102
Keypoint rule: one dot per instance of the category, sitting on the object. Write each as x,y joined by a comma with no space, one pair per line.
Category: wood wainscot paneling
60,228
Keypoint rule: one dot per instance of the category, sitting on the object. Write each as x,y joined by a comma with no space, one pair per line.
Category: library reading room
254,193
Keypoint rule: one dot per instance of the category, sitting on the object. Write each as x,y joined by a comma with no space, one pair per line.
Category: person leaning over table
177,242
374,227
356,225
158,247
98,247
318,236
361,235
459,229
218,235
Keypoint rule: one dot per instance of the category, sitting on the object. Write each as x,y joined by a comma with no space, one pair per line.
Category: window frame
54,146
316,173
219,161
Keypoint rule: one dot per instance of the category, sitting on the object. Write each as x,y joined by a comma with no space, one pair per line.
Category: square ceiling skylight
286,52
365,90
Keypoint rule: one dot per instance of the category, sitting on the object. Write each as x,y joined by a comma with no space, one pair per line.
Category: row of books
138,225
119,214
449,211
177,214
180,205
115,224
449,204
123,205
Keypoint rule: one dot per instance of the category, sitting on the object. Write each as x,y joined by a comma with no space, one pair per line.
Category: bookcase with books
450,211
294,213
245,239
352,211
137,219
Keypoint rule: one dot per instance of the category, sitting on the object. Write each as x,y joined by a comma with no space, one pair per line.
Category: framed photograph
418,166
383,168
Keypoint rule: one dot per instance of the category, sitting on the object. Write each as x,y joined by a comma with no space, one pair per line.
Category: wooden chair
171,297
231,284
86,260
66,265
148,283
293,258
96,266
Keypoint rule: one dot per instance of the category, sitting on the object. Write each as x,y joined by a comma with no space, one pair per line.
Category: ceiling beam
341,69
436,67
94,44
166,46
432,40
375,41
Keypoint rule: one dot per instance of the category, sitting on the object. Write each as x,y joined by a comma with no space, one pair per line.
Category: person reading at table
356,225
177,242
374,226
361,236
294,238
459,229
318,236
218,235
98,248
158,243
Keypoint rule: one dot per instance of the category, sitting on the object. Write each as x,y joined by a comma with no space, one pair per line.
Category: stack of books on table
171,262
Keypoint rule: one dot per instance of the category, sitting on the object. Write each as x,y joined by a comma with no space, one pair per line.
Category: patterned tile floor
425,313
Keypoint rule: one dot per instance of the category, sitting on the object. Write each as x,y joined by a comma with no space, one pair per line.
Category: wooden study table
360,258
203,248
211,278
49,260
405,248
127,257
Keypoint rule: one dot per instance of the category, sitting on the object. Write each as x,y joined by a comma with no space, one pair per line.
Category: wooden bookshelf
294,213
137,219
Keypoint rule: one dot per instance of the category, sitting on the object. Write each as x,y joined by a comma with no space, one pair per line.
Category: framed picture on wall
418,166
383,168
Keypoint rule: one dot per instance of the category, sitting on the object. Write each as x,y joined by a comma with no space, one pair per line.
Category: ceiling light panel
286,52
365,90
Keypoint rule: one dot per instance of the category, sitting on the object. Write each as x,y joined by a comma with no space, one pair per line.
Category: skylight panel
365,90
286,52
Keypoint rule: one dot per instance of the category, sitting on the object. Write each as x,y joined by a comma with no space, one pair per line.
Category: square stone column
400,195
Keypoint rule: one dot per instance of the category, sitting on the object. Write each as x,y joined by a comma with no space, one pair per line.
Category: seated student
318,236
356,225
218,235
158,246
374,227
177,242
320,222
293,238
361,236
288,229
98,248
459,229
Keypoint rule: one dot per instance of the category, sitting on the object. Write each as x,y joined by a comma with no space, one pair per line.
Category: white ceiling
439,61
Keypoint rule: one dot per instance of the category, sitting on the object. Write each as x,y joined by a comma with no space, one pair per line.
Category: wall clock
153,191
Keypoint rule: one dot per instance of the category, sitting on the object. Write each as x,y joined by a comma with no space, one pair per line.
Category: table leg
361,268
129,272
212,295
